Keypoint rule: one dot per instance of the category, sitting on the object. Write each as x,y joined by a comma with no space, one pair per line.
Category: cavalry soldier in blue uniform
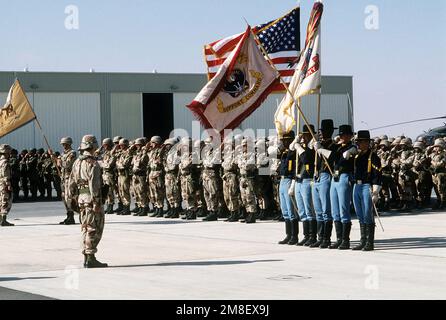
367,178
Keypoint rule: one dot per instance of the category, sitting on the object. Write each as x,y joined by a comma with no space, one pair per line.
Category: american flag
280,38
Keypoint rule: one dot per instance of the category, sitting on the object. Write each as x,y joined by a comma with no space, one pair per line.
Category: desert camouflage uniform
423,182
188,185
209,177
140,187
231,191
5,186
438,169
85,180
67,160
123,166
109,175
156,177
247,168
171,177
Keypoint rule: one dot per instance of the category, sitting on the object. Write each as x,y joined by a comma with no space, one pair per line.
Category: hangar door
157,114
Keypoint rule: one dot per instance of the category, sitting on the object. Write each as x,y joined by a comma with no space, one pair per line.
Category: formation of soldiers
295,178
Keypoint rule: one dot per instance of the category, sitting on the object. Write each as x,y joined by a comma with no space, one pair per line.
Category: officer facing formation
85,184
5,184
66,162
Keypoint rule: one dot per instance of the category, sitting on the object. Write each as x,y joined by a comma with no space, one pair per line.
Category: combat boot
175,213
338,229
370,232
294,239
186,214
93,263
251,217
212,216
160,213
125,211
192,214
287,232
70,218
135,209
201,213
155,213
235,216
230,217
6,223
261,215
143,212
362,229
346,228
326,242
320,234
119,208
109,209
306,231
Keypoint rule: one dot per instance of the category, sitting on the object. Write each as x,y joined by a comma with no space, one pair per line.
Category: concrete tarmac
157,258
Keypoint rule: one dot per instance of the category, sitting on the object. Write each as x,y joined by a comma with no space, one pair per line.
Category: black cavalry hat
306,130
345,129
363,135
289,135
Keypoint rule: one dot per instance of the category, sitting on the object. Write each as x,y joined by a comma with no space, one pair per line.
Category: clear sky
399,69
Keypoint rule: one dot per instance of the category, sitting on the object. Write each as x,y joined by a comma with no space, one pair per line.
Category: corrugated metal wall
60,114
333,106
126,115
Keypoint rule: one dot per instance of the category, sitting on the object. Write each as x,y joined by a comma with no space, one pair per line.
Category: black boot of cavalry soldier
93,263
326,242
294,232
320,234
6,223
287,232
338,229
346,228
306,230
313,234
370,232
362,230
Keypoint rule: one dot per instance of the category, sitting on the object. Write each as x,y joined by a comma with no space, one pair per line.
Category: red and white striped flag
280,38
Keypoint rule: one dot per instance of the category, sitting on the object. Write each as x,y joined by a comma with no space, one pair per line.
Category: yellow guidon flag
17,110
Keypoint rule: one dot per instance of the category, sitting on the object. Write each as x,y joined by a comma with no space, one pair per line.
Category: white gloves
317,146
324,152
375,193
293,144
350,152
291,189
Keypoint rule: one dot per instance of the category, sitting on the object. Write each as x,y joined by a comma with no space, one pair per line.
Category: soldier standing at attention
231,191
209,176
139,179
85,180
341,160
367,178
156,176
24,180
5,185
187,170
304,177
123,165
172,178
109,173
248,170
438,168
67,160
15,174
32,173
116,152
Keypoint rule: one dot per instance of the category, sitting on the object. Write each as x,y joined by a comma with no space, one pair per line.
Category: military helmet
88,142
406,141
5,148
140,141
208,140
418,144
186,140
66,140
124,142
439,143
117,139
384,137
156,139
170,142
421,139
107,141
385,143
396,141
260,142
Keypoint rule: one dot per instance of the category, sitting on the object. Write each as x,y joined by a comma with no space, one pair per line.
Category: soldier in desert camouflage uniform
85,181
67,160
123,166
156,176
438,169
140,187
5,185
172,177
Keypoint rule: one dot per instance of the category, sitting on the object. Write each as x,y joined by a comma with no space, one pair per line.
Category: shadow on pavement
193,263
24,278
410,243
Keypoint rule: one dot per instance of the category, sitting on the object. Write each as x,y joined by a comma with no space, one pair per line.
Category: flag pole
41,130
304,118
